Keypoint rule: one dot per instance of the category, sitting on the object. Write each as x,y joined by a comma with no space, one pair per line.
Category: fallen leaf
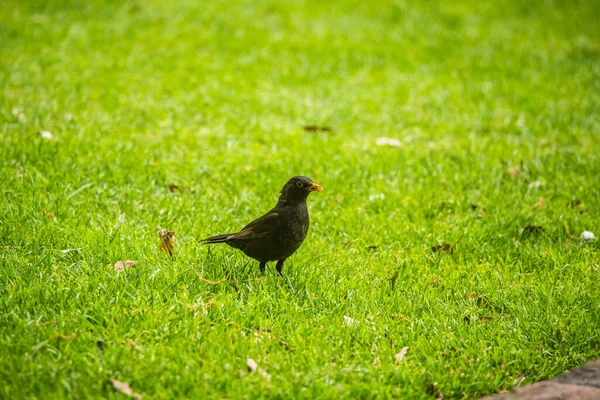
447,248
173,187
400,356
317,128
124,388
386,141
47,135
540,202
349,321
167,241
122,264
533,229
372,247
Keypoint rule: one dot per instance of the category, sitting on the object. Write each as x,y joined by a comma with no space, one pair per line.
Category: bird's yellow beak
314,188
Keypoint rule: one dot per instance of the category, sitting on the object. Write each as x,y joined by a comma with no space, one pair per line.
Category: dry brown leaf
540,202
446,248
167,242
316,128
400,356
395,276
173,187
533,229
124,388
122,264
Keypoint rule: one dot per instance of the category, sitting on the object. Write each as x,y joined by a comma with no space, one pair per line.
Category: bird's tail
216,239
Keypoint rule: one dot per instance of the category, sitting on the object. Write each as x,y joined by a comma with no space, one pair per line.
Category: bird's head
298,188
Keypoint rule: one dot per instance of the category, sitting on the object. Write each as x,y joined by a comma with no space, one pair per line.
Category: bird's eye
299,184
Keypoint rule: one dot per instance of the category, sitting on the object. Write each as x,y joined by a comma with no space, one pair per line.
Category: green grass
495,105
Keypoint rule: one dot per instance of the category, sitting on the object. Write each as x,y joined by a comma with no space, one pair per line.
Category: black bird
276,235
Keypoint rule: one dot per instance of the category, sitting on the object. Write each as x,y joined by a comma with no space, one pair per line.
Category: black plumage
279,233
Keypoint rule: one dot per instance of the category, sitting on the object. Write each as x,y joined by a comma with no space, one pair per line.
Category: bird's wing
262,227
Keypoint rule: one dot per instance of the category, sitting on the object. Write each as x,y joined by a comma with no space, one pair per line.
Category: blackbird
276,235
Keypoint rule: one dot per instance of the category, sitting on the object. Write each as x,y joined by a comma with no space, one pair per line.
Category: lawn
459,241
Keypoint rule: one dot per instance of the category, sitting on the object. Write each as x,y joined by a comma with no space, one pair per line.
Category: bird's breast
295,223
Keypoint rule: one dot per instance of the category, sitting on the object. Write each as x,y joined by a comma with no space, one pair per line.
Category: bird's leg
279,266
263,264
